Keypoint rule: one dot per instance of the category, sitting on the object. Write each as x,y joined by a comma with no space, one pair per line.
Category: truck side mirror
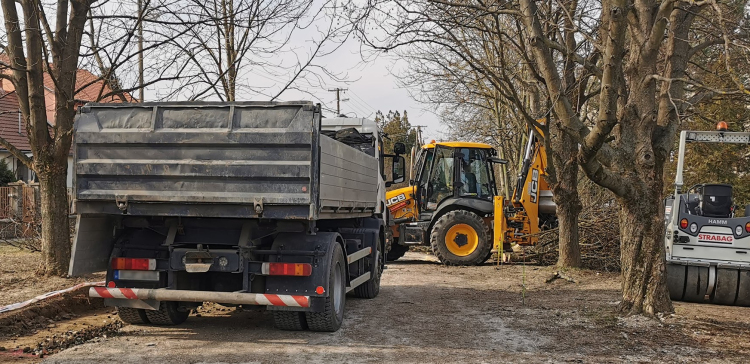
398,167
399,148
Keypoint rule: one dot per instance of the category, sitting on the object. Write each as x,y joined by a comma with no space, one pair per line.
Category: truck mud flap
321,245
92,244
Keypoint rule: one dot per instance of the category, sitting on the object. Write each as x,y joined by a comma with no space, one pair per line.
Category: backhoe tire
289,320
397,251
461,237
333,313
134,316
167,314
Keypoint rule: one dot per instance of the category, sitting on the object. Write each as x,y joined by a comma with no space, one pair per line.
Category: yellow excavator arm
519,220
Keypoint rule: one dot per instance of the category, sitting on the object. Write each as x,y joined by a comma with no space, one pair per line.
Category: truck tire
289,320
132,316
371,288
460,237
397,251
167,314
333,314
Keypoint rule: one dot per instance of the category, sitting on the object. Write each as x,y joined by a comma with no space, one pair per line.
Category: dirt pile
39,315
70,338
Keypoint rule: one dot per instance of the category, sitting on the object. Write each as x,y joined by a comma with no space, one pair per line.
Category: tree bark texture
55,226
644,286
565,194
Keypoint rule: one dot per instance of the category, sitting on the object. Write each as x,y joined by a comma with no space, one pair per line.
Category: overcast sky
372,86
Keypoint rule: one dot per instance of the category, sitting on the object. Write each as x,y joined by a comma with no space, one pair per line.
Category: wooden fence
22,201
20,210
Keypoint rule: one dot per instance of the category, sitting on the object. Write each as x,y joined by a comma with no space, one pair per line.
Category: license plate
136,275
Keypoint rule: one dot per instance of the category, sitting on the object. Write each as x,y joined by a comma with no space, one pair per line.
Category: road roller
707,245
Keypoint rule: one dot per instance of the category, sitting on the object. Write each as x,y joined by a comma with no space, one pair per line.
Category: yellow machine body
513,220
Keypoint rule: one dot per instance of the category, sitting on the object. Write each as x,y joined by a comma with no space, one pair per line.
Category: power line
362,100
361,107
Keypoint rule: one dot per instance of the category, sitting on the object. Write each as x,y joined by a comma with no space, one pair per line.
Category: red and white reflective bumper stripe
200,296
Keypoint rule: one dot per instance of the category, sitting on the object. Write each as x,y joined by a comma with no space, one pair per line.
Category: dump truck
707,243
251,204
453,206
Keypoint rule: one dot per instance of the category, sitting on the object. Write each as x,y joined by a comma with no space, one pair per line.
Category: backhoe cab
452,203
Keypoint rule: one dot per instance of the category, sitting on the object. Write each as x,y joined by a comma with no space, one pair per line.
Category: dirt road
427,313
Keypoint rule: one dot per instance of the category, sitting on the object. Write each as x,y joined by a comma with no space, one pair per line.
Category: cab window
441,178
474,177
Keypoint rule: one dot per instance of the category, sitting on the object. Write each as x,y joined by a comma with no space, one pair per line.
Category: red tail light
288,269
684,223
134,263
747,227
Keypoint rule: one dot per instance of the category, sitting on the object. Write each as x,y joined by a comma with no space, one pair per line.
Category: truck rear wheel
167,314
333,314
460,237
133,316
289,320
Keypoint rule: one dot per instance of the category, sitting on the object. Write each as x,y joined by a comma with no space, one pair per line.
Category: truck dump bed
249,159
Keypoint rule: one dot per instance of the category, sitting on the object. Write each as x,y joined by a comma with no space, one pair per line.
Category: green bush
6,175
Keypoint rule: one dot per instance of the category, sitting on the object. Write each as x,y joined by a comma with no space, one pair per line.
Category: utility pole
140,49
419,134
338,92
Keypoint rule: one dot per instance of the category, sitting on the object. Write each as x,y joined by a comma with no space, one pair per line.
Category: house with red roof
13,129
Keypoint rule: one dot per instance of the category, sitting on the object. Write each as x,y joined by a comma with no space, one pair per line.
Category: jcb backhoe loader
452,203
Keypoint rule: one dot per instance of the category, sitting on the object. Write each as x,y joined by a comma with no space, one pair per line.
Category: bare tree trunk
568,209
564,184
55,229
642,255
